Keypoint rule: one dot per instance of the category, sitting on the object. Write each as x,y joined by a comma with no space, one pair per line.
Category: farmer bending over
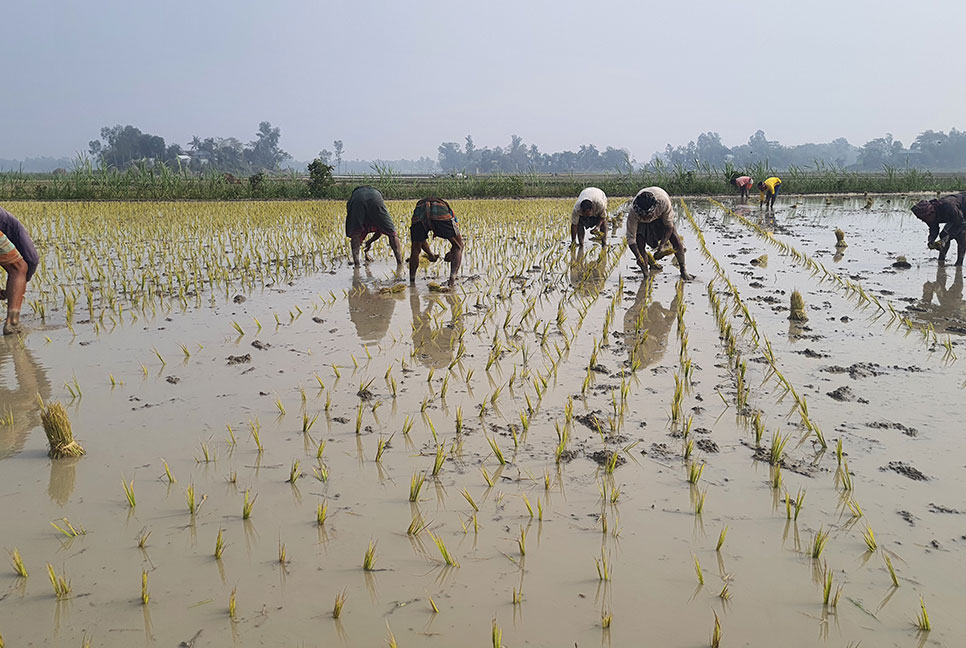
650,222
436,216
19,258
589,213
949,210
768,190
366,213
744,184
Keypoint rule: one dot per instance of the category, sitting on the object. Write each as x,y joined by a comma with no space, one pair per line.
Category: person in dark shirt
950,211
19,258
366,213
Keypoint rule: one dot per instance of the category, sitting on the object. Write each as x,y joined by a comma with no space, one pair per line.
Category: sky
395,79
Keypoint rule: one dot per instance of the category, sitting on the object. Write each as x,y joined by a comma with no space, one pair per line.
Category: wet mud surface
546,384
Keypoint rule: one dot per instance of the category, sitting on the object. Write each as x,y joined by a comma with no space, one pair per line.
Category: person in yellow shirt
768,190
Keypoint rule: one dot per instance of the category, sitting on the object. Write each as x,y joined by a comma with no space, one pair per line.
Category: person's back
14,230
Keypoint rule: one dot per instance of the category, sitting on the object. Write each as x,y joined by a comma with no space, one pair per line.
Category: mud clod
261,346
908,517
707,445
239,299
239,359
939,508
842,394
888,425
604,457
905,470
174,380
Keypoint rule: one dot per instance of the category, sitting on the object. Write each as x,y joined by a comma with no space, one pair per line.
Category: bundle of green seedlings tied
797,308
840,238
59,435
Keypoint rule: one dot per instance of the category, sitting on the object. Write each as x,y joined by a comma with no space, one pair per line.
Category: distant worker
650,222
366,213
589,213
19,258
744,184
768,190
951,211
436,216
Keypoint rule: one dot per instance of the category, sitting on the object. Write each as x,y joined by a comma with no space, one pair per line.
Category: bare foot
14,329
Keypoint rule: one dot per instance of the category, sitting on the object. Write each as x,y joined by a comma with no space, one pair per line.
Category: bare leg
573,234
429,251
16,287
375,236
414,260
603,231
456,258
356,242
396,248
678,246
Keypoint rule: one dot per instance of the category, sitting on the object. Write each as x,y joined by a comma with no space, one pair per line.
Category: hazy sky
394,79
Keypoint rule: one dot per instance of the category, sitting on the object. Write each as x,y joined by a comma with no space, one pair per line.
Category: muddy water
899,406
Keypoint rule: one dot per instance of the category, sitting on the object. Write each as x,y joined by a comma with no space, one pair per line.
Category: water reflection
370,311
62,478
18,397
436,337
943,304
588,271
646,328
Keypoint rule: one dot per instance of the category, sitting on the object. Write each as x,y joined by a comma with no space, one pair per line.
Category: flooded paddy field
555,451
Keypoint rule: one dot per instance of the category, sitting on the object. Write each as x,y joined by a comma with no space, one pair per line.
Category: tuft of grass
777,449
697,570
819,540
716,633
438,461
869,538
694,472
167,473
220,544
369,560
128,491
892,571
415,485
61,585
145,595
447,556
496,450
922,618
69,529
248,505
339,603
18,566
294,473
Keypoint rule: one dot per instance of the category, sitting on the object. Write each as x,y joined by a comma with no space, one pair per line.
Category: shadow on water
370,310
434,340
22,379
646,328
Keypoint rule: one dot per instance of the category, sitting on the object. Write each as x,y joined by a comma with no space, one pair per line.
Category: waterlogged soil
585,352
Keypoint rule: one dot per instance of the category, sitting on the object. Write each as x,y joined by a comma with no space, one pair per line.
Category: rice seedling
447,557
496,635
128,491
846,478
255,428
819,540
282,554
496,450
145,595
417,525
688,449
799,502
359,419
247,505
892,571
840,239
57,428
339,603
232,604
438,460
716,633
603,567
321,513
167,473
207,456
777,449
369,560
220,544
486,476
606,618
60,584
235,325
280,406
694,472
869,538
721,538
698,570
797,308
922,618
469,498
69,529
432,604
699,501
18,566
